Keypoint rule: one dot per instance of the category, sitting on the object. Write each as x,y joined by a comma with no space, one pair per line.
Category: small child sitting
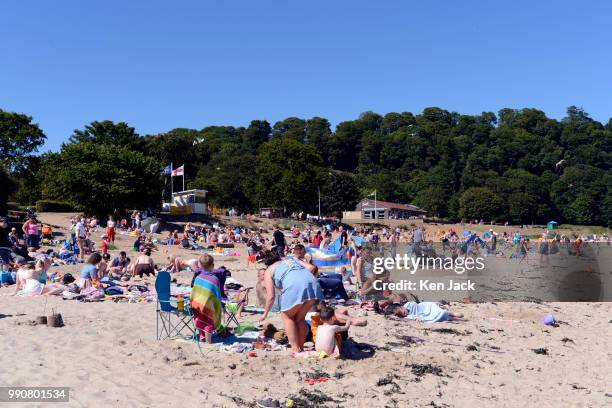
328,338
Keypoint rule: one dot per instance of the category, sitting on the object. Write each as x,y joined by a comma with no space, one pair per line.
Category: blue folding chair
172,322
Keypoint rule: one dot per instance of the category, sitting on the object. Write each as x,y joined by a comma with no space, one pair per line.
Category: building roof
395,206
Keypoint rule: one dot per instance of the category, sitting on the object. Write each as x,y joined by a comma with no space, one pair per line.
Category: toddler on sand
326,333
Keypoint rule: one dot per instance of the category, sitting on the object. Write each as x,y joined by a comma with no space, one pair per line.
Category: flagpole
375,209
319,189
171,183
183,177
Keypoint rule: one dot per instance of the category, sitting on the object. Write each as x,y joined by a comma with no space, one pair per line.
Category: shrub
53,206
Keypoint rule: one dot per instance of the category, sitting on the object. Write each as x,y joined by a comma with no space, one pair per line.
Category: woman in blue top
299,292
89,273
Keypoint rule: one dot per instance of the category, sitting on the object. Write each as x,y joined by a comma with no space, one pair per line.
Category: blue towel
427,312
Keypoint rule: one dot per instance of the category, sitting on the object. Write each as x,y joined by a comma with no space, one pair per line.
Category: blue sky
159,64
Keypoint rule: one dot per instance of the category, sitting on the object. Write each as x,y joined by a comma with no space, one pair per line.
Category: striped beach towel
206,301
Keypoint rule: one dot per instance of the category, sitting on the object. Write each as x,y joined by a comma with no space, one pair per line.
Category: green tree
258,132
479,203
108,133
290,128
434,199
19,138
577,183
338,192
98,178
7,187
224,175
287,175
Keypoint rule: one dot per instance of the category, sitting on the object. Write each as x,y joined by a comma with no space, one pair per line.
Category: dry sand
108,356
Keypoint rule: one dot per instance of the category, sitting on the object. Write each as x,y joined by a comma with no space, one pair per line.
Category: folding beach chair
171,322
231,307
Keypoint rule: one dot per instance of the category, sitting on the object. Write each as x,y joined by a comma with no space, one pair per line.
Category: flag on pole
373,193
179,171
167,170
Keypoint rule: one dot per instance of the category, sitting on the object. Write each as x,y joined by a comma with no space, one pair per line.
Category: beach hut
552,225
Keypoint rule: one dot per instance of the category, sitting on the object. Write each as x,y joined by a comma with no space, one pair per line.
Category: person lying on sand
425,312
177,264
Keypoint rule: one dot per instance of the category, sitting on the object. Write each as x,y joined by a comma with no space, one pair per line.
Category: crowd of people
288,281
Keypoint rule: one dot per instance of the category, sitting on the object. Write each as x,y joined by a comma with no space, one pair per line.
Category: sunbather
177,264
425,312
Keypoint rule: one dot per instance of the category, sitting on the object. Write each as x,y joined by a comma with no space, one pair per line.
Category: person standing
493,241
279,241
81,233
138,219
110,229
317,239
30,229
299,292
417,239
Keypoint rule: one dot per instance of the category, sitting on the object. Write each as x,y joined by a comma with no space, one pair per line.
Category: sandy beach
501,355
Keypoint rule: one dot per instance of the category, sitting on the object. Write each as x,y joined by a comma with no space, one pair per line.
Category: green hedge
53,206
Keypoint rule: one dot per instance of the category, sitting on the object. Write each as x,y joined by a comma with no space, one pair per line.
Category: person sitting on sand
327,340
148,244
42,267
341,317
144,264
137,244
28,282
103,266
425,312
89,273
119,264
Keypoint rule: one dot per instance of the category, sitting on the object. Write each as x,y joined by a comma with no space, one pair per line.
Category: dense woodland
518,166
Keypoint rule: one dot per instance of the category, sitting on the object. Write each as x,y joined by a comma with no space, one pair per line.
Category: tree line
518,166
